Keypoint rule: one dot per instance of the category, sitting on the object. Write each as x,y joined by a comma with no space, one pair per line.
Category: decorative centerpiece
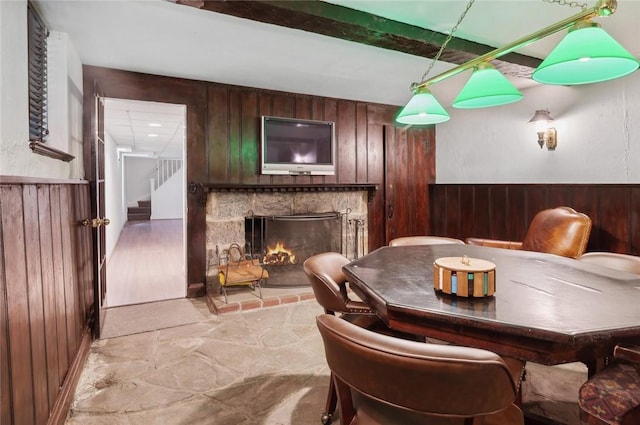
464,276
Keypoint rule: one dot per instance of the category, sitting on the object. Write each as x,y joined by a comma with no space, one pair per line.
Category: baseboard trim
196,290
61,407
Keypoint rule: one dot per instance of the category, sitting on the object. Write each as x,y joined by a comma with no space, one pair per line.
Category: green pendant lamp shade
486,87
587,54
422,109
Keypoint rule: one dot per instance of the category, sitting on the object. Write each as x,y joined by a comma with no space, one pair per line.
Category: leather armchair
329,284
386,380
613,260
423,240
562,231
612,396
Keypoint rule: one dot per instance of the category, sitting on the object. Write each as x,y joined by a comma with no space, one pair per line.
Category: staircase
141,212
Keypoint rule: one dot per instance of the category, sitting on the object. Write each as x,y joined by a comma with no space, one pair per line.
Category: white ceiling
146,127
164,38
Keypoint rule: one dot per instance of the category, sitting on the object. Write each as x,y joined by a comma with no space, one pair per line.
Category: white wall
137,173
65,118
65,100
115,208
167,202
598,138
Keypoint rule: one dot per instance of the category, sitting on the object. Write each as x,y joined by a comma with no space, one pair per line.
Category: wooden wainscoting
46,297
504,211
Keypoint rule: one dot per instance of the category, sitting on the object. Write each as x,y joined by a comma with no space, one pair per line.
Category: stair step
139,210
139,216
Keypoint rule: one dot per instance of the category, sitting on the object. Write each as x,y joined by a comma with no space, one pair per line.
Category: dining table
546,308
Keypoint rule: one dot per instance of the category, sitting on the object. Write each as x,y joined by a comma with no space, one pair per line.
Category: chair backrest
431,379
324,272
561,231
613,260
423,240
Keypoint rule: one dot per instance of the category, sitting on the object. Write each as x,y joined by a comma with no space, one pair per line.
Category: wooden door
409,168
95,170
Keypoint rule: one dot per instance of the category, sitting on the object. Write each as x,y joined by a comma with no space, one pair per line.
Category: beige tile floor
258,366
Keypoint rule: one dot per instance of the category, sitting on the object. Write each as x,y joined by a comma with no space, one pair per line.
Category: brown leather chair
423,240
329,285
562,231
386,380
613,260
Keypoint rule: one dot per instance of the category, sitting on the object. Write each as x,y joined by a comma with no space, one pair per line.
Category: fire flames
279,255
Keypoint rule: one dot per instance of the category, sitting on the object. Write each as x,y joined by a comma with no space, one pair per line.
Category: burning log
279,255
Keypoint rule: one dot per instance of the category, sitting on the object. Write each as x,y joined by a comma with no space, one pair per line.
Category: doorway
145,200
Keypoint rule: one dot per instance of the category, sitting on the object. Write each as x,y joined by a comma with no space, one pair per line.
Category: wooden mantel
370,188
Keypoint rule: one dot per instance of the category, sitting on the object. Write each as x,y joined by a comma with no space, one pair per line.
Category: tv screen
297,147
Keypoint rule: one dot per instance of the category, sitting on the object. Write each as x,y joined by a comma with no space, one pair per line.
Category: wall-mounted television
297,147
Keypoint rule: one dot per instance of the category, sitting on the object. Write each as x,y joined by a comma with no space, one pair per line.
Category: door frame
93,157
194,94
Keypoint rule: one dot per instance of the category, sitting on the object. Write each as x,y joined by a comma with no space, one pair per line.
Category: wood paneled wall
223,131
504,211
46,297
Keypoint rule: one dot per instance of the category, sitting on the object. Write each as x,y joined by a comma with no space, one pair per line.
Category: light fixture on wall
547,136
586,55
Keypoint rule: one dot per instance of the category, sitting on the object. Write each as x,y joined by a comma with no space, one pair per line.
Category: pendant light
486,87
587,54
422,109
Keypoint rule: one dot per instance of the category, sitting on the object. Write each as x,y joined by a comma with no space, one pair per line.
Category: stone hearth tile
236,357
121,349
193,374
189,332
258,367
234,331
266,393
129,396
200,410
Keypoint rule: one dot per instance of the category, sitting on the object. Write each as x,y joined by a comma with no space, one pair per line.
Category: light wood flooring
148,263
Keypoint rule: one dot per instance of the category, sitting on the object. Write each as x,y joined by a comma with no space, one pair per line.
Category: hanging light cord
583,6
567,3
446,41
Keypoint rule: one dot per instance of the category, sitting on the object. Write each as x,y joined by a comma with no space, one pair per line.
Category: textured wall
598,129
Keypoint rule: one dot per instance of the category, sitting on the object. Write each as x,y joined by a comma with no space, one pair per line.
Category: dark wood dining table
546,309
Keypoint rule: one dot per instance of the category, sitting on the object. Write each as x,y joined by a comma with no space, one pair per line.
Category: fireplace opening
284,242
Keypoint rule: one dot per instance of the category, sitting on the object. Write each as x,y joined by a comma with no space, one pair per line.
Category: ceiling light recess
606,60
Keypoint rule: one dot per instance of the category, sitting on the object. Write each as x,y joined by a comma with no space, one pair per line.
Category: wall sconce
546,135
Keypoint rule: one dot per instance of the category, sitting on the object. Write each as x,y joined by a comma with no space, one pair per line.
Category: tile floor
247,366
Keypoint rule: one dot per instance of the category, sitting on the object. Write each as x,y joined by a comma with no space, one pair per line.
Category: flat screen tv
297,147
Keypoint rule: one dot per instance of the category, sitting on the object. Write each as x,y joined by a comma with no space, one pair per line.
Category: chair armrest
629,353
494,243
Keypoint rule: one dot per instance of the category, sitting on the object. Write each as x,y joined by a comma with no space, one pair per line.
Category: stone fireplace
242,214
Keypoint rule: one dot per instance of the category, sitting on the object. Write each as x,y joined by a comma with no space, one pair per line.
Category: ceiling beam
360,27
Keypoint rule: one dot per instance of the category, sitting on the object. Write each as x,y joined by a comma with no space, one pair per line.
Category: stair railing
165,169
